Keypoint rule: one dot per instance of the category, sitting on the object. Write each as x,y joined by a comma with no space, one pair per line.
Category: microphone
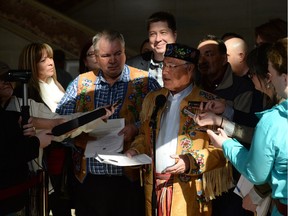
159,103
78,122
22,76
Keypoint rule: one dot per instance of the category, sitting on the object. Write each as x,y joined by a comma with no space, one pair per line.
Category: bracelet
221,122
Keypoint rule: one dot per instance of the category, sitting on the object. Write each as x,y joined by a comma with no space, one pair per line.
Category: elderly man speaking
186,172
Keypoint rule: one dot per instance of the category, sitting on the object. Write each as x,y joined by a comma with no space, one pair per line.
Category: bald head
236,44
237,51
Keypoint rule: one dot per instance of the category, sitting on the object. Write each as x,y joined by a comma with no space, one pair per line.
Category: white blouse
50,93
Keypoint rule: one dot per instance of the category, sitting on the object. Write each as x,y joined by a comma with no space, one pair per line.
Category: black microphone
159,103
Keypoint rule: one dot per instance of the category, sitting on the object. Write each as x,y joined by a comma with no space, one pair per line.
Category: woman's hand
44,137
217,140
248,204
28,129
214,106
207,118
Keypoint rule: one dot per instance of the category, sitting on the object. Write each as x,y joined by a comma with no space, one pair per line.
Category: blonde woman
43,87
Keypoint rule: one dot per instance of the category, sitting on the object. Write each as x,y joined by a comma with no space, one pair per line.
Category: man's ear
241,57
191,67
175,35
225,59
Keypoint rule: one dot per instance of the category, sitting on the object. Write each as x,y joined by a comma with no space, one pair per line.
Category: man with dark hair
161,27
270,31
236,104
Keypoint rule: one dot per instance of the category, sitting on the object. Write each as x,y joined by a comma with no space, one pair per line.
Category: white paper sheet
123,160
243,188
106,137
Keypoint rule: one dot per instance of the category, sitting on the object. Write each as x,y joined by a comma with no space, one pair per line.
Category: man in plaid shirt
101,184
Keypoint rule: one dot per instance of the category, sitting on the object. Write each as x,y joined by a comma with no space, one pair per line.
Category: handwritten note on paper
105,138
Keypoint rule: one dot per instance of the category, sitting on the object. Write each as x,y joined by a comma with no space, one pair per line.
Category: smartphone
189,113
204,129
196,104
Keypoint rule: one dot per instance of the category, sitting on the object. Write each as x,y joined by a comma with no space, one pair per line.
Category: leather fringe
217,181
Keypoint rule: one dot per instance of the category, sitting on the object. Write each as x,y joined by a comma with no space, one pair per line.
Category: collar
154,65
281,107
181,94
124,76
50,80
227,79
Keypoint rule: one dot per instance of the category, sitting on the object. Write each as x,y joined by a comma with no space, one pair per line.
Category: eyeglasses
90,54
2,82
172,66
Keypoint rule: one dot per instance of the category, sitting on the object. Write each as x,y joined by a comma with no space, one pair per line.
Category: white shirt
166,143
155,69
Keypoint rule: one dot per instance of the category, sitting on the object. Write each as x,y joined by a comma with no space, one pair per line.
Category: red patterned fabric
164,191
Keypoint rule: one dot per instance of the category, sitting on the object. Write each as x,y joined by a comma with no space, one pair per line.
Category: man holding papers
105,189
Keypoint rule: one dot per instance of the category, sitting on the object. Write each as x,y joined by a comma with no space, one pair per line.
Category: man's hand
129,132
181,165
130,153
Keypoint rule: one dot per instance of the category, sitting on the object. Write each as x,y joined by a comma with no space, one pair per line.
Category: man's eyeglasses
172,66
90,54
2,81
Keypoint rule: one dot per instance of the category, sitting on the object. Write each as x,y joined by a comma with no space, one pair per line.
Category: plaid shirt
104,95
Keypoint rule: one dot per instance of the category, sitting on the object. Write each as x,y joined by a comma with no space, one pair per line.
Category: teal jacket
267,159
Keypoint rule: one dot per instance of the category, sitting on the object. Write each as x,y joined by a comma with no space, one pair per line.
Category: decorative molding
34,21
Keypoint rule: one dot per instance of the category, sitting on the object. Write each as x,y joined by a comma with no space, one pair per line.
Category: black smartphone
196,104
204,129
189,113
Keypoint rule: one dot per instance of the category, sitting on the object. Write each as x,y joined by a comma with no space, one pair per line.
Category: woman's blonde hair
277,55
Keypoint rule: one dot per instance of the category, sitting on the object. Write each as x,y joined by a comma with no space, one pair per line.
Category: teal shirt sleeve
255,164
267,159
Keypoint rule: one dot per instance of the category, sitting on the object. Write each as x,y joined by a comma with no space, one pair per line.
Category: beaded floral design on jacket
83,97
139,91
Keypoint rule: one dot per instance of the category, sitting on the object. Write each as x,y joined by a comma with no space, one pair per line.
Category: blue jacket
267,159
